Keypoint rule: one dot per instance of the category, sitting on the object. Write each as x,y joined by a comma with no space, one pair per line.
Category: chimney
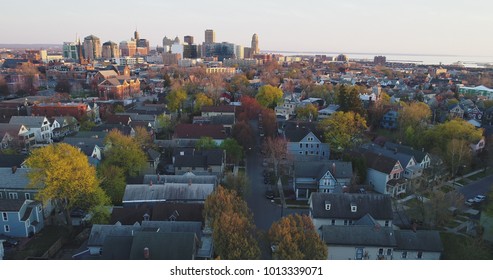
146,253
14,169
150,183
189,182
334,169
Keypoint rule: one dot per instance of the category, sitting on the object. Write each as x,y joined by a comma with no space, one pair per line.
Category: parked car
479,198
470,202
9,241
269,194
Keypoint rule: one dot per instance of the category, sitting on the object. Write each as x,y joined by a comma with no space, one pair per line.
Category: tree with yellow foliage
124,151
64,176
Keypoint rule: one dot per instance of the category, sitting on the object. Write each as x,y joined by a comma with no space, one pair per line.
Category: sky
434,27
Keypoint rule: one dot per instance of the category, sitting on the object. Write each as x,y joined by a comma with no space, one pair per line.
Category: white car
470,202
479,198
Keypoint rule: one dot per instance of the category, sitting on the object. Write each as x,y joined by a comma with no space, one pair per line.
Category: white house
347,209
384,174
40,126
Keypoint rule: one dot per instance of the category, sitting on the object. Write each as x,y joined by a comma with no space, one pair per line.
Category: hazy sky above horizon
453,27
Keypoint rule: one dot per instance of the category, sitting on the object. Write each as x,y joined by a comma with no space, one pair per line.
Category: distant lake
411,58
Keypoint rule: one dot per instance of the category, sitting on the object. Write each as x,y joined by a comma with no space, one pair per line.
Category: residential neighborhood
203,152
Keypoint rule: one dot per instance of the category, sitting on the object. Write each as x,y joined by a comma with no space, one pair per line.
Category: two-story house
389,120
206,162
20,217
346,209
384,174
40,126
320,176
16,136
412,169
304,141
373,242
63,126
187,132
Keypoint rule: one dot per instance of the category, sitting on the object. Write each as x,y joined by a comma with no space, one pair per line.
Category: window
386,223
420,254
306,145
333,222
345,222
4,216
13,195
27,195
389,252
1,195
318,145
380,251
359,253
6,228
404,255
301,145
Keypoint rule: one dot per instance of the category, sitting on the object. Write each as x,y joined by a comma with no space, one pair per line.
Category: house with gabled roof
20,217
384,174
196,131
16,136
40,126
412,169
347,209
320,176
91,147
304,141
199,162
421,157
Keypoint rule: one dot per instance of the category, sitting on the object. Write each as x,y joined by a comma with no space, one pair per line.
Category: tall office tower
92,47
167,42
110,50
255,49
70,50
239,52
210,36
136,36
188,39
128,48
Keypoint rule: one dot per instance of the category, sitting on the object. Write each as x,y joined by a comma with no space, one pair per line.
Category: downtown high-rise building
110,50
70,50
254,47
92,48
128,48
210,36
188,40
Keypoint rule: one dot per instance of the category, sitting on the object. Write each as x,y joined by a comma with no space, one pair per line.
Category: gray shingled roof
379,206
28,121
316,169
12,160
359,236
11,205
100,232
86,145
403,158
167,192
296,131
418,155
17,180
188,177
174,226
198,158
91,134
164,245
421,240
117,248
379,162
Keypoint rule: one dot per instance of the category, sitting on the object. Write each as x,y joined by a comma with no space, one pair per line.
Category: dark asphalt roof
164,245
356,235
12,160
418,155
421,240
316,169
296,131
11,205
379,206
379,162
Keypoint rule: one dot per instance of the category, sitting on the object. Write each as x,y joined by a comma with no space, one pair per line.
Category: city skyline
381,26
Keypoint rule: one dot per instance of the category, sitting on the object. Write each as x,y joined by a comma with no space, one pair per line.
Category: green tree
269,96
239,83
163,123
113,182
238,183
414,115
64,176
232,225
118,109
175,99
201,100
205,143
348,99
295,238
143,137
343,130
308,112
123,151
234,151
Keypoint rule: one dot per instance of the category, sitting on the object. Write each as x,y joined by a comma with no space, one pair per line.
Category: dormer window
354,208
327,205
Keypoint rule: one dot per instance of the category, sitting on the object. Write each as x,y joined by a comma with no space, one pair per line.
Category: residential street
482,186
264,211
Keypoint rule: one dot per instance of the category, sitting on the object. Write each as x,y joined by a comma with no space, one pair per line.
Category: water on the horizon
411,58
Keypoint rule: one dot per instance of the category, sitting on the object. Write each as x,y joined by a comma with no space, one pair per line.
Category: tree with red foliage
251,107
269,122
243,134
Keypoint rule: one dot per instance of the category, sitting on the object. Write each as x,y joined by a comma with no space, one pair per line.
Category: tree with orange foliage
232,225
294,238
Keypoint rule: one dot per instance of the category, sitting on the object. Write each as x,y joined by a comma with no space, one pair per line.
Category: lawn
446,188
40,243
481,175
457,247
